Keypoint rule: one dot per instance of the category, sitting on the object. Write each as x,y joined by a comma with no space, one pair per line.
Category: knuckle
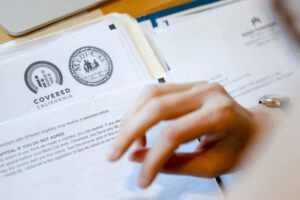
227,115
172,135
224,116
157,105
127,130
151,91
216,87
227,112
228,107
204,88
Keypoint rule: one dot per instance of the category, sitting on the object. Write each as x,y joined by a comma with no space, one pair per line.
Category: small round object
91,66
274,100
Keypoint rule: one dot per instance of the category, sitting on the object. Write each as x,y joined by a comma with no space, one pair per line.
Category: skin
287,20
198,110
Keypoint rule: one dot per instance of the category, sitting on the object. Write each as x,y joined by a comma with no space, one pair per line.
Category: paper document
97,58
63,96
238,45
61,154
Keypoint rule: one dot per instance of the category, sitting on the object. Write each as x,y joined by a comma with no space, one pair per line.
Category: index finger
162,108
153,91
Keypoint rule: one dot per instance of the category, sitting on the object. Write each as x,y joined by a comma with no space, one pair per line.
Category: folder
62,91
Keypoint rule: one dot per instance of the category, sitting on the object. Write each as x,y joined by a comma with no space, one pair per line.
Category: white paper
238,45
17,99
190,13
146,26
61,154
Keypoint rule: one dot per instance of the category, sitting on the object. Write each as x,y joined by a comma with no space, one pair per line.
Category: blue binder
154,16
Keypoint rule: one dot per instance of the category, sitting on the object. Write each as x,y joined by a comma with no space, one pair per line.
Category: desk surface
135,8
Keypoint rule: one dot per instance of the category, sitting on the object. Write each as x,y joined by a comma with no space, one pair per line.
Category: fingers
172,106
198,109
206,164
155,159
156,91
157,109
180,131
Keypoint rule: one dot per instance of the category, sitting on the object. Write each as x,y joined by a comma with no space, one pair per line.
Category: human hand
288,18
197,110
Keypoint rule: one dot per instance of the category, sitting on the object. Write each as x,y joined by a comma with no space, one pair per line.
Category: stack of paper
63,96
236,43
62,99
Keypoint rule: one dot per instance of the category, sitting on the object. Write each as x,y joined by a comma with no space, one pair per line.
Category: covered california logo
45,78
91,66
42,74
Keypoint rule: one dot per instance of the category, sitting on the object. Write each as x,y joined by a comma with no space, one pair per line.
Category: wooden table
135,8
139,8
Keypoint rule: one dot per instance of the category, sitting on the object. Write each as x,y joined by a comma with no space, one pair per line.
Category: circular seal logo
91,66
42,74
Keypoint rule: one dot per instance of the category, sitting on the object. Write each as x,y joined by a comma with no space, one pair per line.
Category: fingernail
143,182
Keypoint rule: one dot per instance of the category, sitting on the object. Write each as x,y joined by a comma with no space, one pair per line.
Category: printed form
62,154
239,45
63,102
74,65
69,117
